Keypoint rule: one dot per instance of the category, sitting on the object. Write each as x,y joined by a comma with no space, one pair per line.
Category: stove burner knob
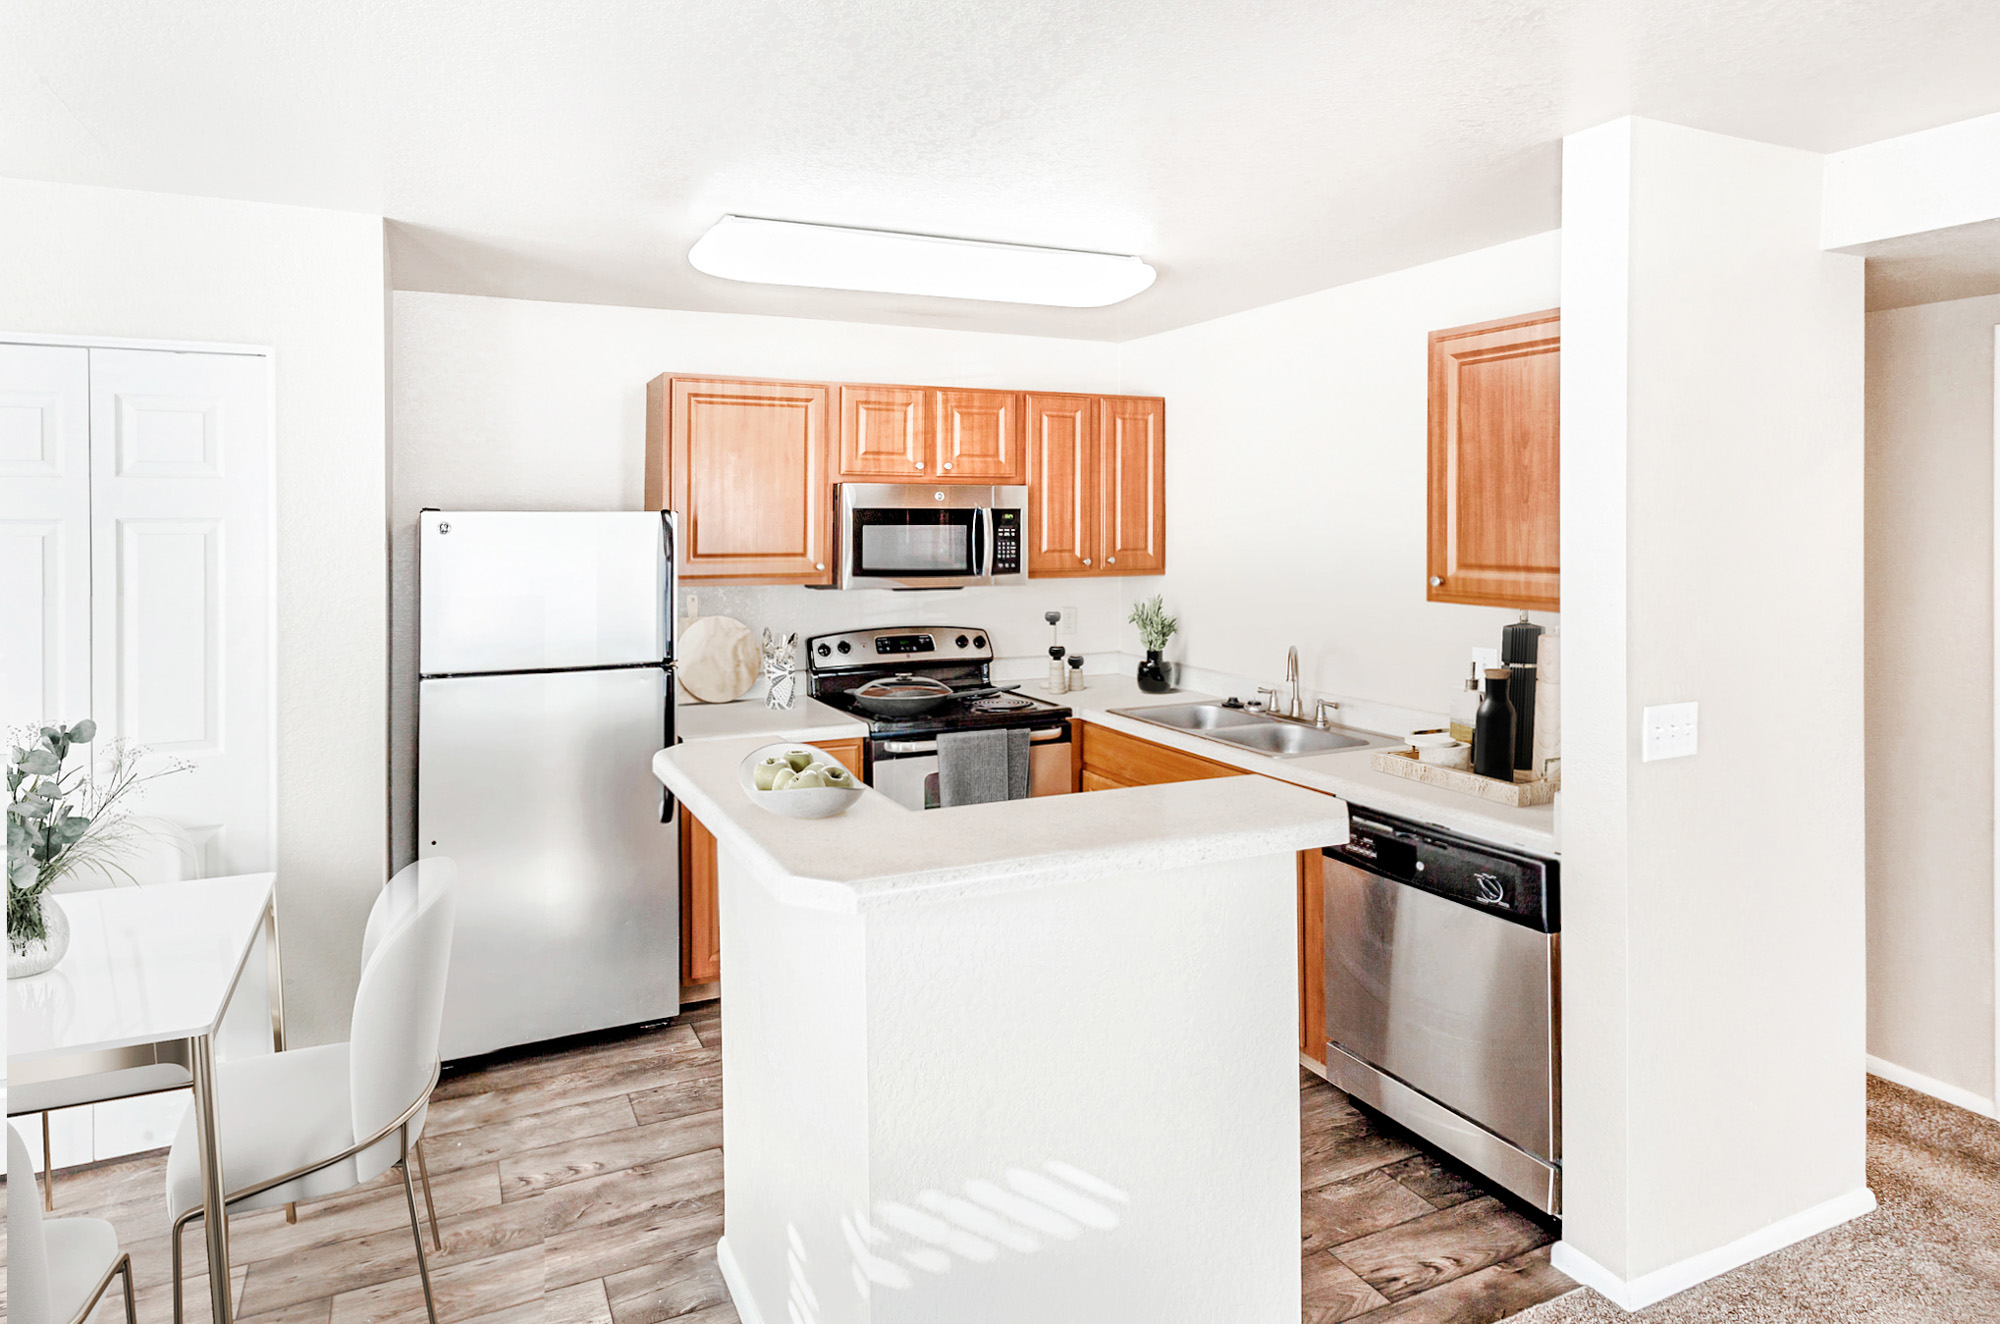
824,650
846,647
962,641
979,641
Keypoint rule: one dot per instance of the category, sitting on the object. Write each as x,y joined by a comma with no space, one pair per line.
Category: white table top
145,965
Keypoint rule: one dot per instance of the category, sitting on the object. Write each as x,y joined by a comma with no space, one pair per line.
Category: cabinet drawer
1130,761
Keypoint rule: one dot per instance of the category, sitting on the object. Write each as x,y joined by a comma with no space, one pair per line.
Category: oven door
895,535
906,769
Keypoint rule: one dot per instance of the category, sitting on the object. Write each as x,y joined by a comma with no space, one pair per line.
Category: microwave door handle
983,532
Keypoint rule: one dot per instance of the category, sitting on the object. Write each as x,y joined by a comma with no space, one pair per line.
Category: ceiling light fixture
835,257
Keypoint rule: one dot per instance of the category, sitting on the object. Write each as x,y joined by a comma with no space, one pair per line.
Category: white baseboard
732,1278
1955,1095
1660,1284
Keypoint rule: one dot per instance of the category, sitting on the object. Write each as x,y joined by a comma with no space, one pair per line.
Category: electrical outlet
1668,731
1069,620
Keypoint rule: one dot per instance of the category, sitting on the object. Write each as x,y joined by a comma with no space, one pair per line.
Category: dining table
148,979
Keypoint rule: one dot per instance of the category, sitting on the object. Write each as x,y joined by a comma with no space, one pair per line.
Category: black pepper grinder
1493,729
1520,646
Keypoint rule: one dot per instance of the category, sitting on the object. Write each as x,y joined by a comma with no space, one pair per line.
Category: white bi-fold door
136,589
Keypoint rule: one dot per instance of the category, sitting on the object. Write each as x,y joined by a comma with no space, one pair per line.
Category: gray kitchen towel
979,767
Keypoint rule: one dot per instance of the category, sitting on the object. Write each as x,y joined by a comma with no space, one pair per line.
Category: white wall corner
1930,180
1647,1289
732,1279
1955,1095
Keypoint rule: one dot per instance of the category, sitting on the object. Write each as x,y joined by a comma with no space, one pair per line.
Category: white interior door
44,535
180,448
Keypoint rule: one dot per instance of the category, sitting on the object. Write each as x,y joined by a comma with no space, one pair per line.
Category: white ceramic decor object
809,802
719,660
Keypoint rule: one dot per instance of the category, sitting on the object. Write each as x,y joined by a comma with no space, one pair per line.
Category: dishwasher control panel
1507,884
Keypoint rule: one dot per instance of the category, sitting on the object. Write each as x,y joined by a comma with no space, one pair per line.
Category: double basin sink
1260,733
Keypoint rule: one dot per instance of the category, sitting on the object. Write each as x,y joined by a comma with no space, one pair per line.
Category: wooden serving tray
1526,789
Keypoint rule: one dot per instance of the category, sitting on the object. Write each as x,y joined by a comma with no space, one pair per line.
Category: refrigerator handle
669,528
669,740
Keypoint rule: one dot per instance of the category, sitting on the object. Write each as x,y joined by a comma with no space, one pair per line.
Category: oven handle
1044,736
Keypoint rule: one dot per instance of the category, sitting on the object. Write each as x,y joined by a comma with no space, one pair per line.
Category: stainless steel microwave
909,535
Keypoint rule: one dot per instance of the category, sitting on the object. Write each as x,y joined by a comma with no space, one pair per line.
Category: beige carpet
1929,1255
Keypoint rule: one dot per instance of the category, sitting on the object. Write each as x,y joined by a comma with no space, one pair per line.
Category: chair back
27,1250
399,1007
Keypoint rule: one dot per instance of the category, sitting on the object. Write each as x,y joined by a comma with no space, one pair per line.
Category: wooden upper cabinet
1131,484
884,433
977,437
1495,393
1062,484
745,464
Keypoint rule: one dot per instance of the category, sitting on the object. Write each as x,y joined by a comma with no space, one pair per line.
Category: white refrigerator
546,659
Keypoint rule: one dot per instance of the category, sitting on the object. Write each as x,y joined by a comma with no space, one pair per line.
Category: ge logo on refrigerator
1491,891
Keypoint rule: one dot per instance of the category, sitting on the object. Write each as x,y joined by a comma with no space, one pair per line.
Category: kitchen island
1032,1060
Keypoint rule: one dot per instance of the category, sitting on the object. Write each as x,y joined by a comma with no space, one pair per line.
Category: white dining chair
57,1271
312,1122
162,852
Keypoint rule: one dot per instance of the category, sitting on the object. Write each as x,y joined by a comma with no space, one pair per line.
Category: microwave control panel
1006,542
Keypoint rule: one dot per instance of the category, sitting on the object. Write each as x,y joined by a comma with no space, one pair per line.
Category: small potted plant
1155,629
58,823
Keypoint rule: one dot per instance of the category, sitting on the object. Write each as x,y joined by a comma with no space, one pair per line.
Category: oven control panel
1006,542
881,650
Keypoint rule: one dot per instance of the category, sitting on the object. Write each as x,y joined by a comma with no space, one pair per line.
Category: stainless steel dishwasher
1443,975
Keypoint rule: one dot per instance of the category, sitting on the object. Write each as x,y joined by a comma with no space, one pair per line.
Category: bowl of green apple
798,781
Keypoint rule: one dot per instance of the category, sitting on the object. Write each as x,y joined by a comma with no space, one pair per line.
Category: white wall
509,405
1930,692
1713,996
1932,180
1297,460
113,263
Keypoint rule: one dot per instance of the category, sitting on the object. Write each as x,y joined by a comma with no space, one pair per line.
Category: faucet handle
1320,710
1268,704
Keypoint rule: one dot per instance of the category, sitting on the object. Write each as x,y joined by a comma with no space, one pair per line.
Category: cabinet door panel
884,433
1494,456
749,477
701,930
1131,761
1062,484
1131,482
978,436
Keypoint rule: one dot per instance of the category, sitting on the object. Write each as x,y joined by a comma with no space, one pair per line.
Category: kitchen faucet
1297,710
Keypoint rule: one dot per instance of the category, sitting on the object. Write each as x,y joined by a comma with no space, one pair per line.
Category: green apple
800,759
838,776
809,779
782,778
766,771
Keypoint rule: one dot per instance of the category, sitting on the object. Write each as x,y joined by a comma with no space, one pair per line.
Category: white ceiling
1251,151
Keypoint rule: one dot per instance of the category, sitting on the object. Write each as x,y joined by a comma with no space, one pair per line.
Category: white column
1713,997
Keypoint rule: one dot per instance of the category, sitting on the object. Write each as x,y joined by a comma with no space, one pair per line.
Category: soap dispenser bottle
1465,707
1493,733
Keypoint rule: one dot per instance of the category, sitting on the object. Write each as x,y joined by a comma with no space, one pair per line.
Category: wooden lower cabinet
1108,760
701,925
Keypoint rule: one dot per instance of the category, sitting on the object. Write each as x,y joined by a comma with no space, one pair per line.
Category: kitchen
423,368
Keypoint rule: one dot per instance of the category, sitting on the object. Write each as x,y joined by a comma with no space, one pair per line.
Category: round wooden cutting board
719,661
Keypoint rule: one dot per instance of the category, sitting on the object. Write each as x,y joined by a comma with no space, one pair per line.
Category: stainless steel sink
1258,732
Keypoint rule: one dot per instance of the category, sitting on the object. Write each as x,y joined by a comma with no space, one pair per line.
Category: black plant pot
1153,674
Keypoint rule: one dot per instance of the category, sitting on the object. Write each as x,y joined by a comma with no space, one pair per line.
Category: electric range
901,752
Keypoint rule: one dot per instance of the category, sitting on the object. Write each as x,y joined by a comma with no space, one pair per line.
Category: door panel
884,433
44,534
1062,484
1132,496
181,595
750,480
978,436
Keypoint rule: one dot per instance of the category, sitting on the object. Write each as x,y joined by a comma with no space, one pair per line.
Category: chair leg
417,1231
291,1211
131,1307
424,1172
176,1239
48,1169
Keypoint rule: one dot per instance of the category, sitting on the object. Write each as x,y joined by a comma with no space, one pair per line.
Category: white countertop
145,965
880,852
1349,774
805,721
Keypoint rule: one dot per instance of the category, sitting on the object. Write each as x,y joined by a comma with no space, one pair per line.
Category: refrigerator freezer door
537,590
541,788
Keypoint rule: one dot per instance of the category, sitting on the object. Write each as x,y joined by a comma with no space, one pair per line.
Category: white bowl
811,802
1457,754
1434,739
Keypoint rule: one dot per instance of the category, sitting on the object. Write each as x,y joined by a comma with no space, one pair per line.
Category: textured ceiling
1250,151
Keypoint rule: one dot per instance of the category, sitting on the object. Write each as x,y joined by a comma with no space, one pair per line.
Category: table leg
214,1222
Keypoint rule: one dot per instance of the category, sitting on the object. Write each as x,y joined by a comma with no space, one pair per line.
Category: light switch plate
1668,731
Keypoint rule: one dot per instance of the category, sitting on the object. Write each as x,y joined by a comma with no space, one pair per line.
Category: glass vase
1153,674
42,954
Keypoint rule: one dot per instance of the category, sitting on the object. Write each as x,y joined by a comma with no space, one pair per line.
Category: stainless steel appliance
1442,978
546,657
903,535
900,754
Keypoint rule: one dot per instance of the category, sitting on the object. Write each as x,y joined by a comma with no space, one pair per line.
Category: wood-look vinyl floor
585,1187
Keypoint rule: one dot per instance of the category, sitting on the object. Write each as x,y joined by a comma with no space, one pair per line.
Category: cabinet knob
947,464
819,565
1436,580
920,464
1111,560
1086,560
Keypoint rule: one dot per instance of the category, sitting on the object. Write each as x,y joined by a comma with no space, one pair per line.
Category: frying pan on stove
905,695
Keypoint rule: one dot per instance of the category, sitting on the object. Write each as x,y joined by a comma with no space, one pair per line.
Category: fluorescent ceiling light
834,257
